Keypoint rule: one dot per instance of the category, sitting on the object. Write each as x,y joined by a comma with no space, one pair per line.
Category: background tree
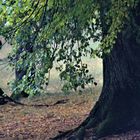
58,26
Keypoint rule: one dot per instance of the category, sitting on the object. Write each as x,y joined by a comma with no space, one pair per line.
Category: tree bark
118,107
119,101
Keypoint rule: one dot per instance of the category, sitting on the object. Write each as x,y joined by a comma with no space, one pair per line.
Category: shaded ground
41,123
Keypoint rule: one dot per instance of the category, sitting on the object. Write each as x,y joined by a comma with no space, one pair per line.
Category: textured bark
119,101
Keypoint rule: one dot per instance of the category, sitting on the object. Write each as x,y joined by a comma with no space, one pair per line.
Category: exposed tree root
80,132
102,122
4,99
87,133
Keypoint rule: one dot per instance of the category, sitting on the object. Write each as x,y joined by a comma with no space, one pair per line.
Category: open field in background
95,67
6,73
55,85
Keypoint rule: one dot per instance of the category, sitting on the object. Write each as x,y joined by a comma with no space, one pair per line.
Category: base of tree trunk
114,123
119,114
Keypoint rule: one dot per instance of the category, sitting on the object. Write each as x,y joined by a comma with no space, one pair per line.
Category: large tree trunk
118,107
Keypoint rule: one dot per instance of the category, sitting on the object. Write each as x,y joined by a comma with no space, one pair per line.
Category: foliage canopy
45,31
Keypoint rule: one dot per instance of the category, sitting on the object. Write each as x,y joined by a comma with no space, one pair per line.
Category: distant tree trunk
118,107
19,73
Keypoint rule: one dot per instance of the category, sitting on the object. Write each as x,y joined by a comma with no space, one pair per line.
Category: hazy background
7,74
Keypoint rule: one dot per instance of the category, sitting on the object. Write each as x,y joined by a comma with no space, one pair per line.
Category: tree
116,24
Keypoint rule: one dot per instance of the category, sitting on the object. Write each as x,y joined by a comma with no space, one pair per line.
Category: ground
42,123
